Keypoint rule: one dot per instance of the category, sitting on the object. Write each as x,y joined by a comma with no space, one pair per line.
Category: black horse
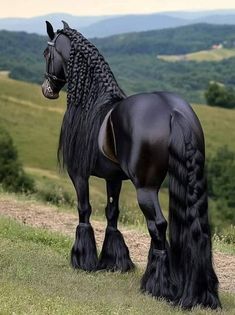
142,138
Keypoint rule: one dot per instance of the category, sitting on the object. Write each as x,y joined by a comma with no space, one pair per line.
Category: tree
218,95
12,175
221,184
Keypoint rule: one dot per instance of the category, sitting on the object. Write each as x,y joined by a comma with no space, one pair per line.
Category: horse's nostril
49,89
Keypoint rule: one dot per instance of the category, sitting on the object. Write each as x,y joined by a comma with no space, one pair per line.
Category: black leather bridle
57,82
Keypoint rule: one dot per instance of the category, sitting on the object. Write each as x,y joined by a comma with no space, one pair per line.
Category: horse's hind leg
156,280
84,253
115,254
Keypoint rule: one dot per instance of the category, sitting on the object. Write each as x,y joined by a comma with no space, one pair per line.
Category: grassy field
36,278
34,124
204,55
32,121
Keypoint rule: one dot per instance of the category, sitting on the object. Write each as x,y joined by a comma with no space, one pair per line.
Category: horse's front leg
84,252
115,254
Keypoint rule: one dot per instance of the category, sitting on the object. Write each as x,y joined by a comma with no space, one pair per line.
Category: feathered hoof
84,252
199,290
156,280
115,254
206,299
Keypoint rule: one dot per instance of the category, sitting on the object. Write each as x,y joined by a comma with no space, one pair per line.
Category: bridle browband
57,82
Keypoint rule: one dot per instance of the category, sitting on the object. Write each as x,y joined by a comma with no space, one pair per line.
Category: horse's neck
107,82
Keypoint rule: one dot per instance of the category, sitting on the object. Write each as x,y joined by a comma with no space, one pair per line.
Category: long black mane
92,91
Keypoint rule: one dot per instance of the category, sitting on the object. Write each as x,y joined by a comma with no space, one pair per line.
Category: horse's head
56,55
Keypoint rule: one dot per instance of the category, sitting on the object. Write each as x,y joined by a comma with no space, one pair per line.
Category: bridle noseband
57,82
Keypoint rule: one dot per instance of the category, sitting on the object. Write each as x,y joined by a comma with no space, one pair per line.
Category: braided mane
92,91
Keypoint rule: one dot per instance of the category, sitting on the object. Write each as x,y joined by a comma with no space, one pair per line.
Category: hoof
115,254
84,252
156,280
204,298
198,288
214,304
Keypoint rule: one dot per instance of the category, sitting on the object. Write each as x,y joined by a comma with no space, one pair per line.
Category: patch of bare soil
49,217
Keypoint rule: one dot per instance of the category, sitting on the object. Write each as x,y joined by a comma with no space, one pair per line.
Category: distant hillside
228,19
137,23
22,55
133,58
102,26
193,15
181,40
132,23
37,24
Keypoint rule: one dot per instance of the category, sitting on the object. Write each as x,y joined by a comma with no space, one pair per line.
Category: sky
29,8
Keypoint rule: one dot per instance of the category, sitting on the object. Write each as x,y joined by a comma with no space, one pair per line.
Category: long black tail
190,239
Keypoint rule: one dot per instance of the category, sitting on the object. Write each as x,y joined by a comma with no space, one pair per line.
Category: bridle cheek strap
57,82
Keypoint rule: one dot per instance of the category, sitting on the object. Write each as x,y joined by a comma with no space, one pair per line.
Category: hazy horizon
114,14
16,8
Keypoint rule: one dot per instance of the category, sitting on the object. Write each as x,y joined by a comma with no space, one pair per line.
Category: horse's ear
65,24
50,30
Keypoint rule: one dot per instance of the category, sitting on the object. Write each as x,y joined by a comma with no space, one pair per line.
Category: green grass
36,278
204,55
218,125
27,115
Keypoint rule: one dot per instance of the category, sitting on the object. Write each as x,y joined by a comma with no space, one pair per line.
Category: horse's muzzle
47,90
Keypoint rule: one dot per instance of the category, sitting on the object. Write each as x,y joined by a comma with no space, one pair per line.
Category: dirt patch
51,218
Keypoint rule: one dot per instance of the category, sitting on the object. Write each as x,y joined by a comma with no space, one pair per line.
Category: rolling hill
31,118
37,24
34,124
132,23
228,19
180,40
159,21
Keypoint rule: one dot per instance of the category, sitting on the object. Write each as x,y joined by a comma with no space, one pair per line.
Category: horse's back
148,109
142,125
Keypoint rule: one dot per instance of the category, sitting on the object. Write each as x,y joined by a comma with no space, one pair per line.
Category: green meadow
36,278
203,55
